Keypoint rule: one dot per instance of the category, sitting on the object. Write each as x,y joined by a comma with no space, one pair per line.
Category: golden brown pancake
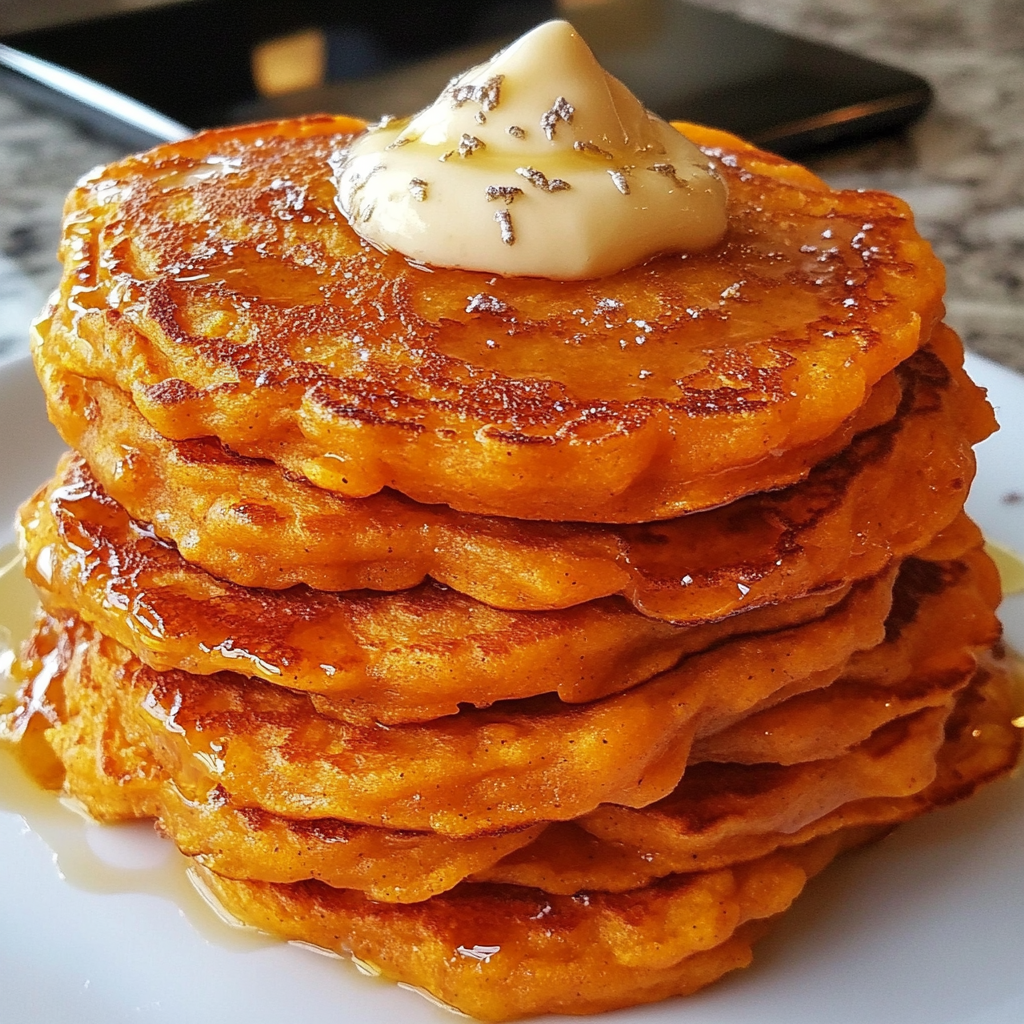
595,951
718,815
625,947
499,952
942,615
245,521
512,765
678,833
519,762
215,280
411,656
725,805
721,815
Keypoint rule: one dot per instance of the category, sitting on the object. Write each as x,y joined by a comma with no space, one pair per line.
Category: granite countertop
961,168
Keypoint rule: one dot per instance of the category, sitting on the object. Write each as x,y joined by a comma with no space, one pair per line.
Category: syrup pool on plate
90,856
125,858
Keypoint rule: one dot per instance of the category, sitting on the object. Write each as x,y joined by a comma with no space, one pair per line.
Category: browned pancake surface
518,762
245,521
415,655
596,951
216,281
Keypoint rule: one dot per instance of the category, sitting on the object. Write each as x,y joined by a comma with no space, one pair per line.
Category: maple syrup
126,858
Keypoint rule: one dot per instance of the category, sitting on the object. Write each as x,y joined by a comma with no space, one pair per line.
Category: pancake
519,762
411,656
724,805
537,952
215,280
479,771
718,815
705,824
115,780
721,815
245,521
943,616
625,947
499,952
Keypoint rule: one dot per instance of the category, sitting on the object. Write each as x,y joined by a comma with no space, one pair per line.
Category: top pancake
215,281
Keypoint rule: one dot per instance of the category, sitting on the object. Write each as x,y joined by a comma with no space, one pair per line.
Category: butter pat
535,163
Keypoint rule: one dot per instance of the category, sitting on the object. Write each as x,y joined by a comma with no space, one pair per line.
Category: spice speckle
504,221
540,180
620,181
561,110
418,189
589,147
487,94
506,192
469,144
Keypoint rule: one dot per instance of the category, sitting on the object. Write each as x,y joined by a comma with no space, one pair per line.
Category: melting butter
537,163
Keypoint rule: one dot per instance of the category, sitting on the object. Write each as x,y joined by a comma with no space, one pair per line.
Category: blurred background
961,166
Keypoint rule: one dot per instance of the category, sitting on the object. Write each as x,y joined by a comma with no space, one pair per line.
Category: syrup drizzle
128,858
132,858
124,858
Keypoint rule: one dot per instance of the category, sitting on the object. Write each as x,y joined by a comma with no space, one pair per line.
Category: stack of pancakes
532,642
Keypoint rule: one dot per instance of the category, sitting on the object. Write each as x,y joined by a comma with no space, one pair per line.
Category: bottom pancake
499,951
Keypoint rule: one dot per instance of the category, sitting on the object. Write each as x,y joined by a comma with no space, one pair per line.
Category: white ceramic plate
926,927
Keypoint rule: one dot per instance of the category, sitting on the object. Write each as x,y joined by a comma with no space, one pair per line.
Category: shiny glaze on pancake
981,745
667,937
216,280
246,521
718,815
727,807
519,762
705,823
539,952
411,656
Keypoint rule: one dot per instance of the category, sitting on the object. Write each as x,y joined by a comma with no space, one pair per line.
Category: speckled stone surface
961,168
41,157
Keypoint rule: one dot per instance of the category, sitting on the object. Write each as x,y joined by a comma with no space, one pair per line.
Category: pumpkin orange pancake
541,952
523,762
216,281
481,771
720,809
723,814
411,656
246,521
705,822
